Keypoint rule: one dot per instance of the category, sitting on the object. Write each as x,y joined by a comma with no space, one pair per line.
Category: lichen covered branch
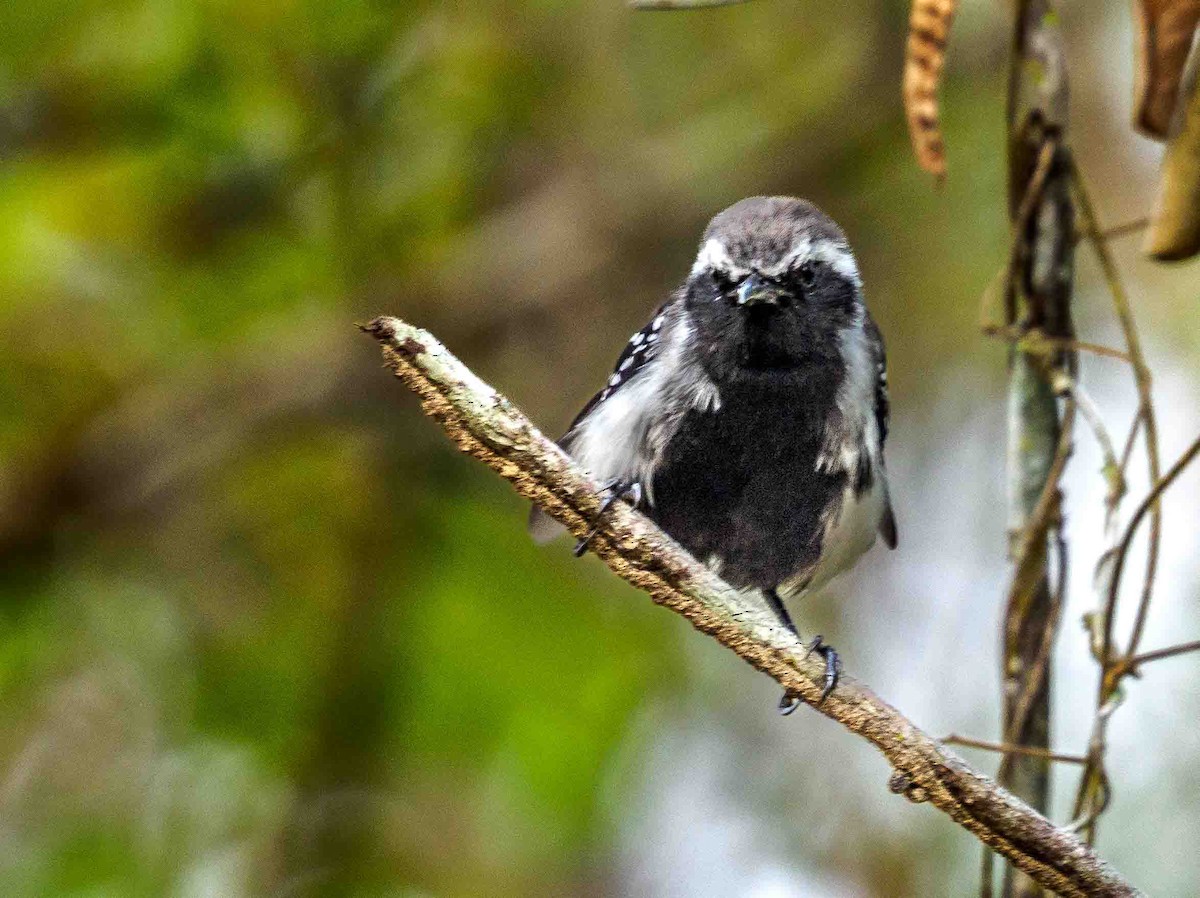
487,426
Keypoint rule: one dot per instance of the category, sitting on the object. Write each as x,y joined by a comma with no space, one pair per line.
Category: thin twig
1035,340
1148,504
1026,578
652,5
1121,230
1094,777
1148,419
1072,345
1130,665
1066,385
490,428
1135,427
1087,823
1029,204
1010,748
1113,671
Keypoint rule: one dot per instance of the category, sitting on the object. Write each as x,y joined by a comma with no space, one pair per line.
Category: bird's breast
742,485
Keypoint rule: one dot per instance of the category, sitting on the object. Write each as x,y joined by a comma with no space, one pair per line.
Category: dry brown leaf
1175,224
1165,31
924,57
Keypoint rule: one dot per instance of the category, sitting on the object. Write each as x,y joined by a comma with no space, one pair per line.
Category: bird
748,418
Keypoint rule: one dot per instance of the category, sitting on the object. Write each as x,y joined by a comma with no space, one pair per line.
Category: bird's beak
755,291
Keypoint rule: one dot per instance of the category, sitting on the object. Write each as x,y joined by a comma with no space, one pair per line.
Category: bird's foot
832,665
631,491
790,701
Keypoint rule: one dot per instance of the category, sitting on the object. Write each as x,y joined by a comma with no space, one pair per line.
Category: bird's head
773,286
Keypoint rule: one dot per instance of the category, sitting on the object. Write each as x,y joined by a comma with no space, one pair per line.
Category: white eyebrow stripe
714,256
836,255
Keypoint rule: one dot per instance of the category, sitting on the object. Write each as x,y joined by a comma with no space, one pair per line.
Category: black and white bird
748,418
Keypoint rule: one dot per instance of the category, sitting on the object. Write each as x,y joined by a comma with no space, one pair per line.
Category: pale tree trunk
1039,297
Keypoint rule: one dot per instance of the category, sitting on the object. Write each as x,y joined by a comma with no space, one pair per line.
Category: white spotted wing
642,348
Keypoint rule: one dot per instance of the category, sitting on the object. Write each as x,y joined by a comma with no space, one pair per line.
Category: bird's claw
616,489
832,665
790,701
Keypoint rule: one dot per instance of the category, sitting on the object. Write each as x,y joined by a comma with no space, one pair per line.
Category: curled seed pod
924,57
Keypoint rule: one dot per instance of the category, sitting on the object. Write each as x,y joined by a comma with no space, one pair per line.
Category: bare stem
1065,385
1030,200
1094,778
1146,412
1116,231
1010,748
1148,505
1130,665
653,5
1112,671
1037,342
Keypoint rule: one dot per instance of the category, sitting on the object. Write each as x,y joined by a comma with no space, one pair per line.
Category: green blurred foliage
260,632
302,665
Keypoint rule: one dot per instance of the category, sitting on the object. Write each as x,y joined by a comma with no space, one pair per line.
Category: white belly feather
848,534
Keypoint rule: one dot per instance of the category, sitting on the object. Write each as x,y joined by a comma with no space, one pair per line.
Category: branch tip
387,330
380,327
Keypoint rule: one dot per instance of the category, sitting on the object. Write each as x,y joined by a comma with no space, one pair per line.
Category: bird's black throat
766,344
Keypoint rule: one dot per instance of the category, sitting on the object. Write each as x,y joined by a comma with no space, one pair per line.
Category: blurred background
262,632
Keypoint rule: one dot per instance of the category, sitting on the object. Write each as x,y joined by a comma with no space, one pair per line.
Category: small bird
748,418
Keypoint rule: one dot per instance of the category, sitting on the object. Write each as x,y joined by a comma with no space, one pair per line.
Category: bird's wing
642,348
606,436
887,524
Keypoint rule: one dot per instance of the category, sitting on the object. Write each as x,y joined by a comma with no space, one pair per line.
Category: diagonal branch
487,426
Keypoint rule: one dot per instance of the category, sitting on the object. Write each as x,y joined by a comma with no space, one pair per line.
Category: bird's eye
805,275
724,283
